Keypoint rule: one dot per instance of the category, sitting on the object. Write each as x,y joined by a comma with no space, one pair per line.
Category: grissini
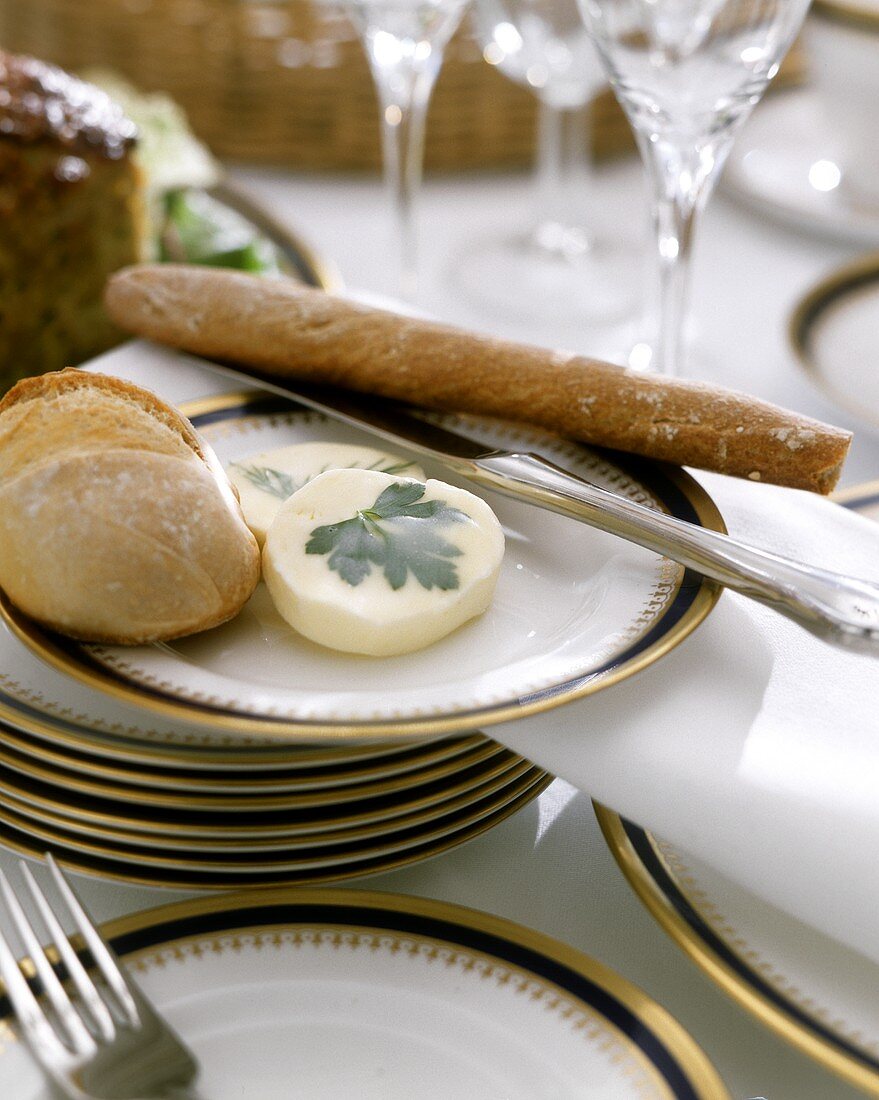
294,332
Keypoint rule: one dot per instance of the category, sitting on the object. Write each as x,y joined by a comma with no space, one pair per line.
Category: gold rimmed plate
268,794
501,1009
295,257
217,836
16,747
812,991
225,869
576,611
834,332
279,819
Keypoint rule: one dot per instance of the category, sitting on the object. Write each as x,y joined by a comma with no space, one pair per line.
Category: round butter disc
265,480
365,562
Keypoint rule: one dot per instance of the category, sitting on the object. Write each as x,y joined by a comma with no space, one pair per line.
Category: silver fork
105,1043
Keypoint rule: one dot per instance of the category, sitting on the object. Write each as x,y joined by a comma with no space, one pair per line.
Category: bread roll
68,413
113,525
286,330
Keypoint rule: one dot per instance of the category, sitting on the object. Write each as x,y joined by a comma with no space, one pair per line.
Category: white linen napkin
753,746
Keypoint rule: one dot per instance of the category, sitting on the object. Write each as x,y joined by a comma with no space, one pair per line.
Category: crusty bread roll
114,526
290,331
68,412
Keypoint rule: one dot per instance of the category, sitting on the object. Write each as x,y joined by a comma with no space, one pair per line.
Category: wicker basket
282,81
286,81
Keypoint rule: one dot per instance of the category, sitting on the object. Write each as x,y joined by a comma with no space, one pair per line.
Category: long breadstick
290,331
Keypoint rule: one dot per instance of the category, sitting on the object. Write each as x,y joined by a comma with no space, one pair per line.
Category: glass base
553,273
697,361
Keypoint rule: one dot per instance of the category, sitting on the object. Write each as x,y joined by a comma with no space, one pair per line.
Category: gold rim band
60,656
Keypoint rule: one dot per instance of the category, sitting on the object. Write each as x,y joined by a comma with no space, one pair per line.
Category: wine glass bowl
687,73
543,45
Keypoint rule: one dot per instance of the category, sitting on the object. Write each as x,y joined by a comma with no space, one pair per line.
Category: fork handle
834,607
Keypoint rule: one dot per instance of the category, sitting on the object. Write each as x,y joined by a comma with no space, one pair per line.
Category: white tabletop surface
548,866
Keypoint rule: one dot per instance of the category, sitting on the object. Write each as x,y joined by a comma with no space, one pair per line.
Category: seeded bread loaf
283,329
114,523
72,209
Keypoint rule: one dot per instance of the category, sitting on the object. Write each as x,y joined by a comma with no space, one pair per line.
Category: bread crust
55,383
290,331
107,542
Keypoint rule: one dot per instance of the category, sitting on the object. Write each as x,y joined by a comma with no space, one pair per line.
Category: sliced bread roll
106,540
75,411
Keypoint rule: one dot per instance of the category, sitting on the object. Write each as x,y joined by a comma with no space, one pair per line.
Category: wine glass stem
404,94
563,172
680,177
675,218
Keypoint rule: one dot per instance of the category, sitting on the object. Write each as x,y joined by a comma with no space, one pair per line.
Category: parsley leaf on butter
398,534
279,484
272,481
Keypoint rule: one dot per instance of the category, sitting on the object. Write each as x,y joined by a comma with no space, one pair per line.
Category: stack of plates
246,755
312,816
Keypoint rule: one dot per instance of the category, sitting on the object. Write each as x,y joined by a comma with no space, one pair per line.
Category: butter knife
836,608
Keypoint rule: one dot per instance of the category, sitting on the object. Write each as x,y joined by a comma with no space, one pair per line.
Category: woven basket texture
286,81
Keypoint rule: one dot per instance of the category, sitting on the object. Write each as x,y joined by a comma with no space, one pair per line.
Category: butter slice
371,617
261,479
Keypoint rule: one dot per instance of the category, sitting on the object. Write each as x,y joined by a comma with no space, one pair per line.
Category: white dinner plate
59,711
811,990
575,610
834,330
330,994
216,836
25,837
786,163
70,787
46,758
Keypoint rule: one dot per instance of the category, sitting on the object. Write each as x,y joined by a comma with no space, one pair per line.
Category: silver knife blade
380,416
838,609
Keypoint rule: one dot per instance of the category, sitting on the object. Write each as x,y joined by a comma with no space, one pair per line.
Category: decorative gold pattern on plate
491,710
337,936
680,871
721,973
574,1015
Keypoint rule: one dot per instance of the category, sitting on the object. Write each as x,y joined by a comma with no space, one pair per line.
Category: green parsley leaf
398,534
275,482
281,485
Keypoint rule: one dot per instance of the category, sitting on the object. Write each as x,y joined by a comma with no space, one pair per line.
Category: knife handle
834,607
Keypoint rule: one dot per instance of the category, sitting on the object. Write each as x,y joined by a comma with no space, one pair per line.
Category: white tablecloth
548,867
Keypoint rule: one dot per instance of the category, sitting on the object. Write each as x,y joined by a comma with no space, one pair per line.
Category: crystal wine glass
562,263
404,42
687,73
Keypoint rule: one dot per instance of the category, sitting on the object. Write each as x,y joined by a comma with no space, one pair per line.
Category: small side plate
834,331
575,611
810,990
